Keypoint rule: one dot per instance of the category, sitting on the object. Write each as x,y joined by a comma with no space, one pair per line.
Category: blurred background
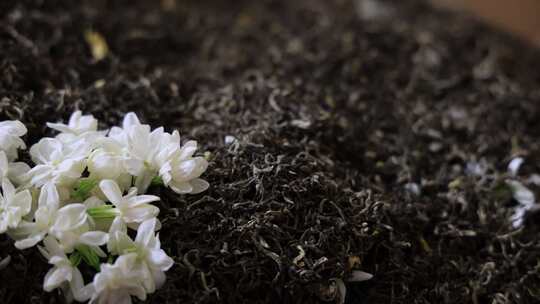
519,17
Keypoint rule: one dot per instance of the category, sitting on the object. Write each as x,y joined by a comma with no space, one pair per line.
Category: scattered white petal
476,168
514,165
413,188
534,179
229,139
360,276
526,200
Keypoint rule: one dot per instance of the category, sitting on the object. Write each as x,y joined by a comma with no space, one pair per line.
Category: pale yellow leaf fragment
97,43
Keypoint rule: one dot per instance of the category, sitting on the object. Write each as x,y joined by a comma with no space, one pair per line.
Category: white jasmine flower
10,141
119,134
117,283
153,261
181,173
103,164
77,125
29,234
107,162
149,153
13,206
142,149
71,227
15,172
58,162
118,232
131,208
63,274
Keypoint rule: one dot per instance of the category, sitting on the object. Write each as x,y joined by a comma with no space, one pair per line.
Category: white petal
142,182
13,127
146,232
199,185
190,169
4,164
130,119
30,241
23,200
165,173
40,175
159,277
8,190
80,293
85,293
49,196
118,225
181,187
359,276
70,217
111,191
43,151
74,118
514,165
94,238
134,166
160,260
59,127
147,278
141,199
18,172
55,277
140,214
118,242
188,149
53,247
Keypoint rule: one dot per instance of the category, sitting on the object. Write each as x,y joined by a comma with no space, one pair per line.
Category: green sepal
102,212
75,259
89,256
157,181
84,188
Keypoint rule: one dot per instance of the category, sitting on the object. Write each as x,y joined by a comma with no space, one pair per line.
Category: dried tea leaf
97,44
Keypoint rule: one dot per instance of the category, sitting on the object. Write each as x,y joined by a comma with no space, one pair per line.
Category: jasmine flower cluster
83,203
